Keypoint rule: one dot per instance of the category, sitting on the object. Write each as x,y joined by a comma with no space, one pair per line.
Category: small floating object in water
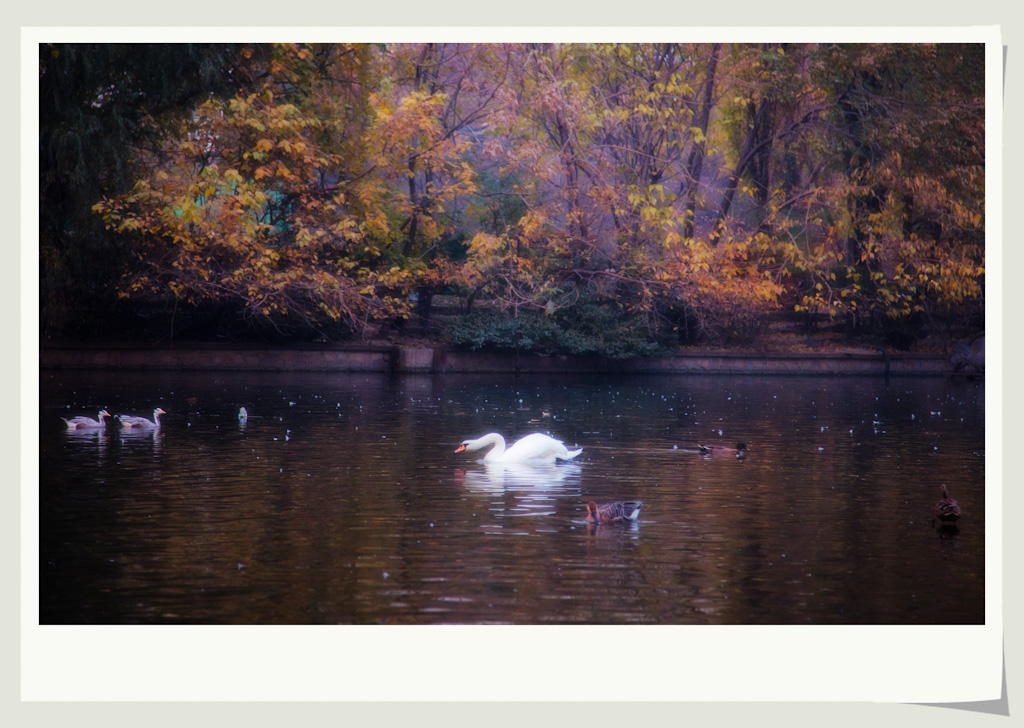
947,510
724,451
613,512
243,414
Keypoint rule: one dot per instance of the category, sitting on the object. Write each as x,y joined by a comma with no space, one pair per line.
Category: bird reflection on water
533,488
496,477
367,516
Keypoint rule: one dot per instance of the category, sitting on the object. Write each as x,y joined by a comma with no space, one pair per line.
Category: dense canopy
616,198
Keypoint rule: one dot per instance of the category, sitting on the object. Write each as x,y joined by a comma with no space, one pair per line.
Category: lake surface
341,500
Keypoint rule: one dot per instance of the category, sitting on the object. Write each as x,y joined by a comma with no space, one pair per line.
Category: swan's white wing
538,447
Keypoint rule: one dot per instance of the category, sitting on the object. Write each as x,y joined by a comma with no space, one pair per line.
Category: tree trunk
752,144
695,163
423,73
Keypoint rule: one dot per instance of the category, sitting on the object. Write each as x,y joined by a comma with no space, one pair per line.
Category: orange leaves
723,288
349,175
485,252
408,126
259,222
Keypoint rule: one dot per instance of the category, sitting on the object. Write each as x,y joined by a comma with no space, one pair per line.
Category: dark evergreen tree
98,104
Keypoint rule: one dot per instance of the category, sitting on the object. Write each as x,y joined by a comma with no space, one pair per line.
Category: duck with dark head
723,451
947,510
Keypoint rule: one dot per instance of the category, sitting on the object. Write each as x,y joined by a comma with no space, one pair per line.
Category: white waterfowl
536,448
86,423
130,422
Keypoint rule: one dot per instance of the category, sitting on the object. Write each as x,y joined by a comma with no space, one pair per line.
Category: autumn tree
268,204
677,193
599,152
903,210
433,106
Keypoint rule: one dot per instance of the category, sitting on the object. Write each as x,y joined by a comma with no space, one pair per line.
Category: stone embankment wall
385,358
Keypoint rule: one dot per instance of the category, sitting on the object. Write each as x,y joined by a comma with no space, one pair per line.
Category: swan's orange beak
460,448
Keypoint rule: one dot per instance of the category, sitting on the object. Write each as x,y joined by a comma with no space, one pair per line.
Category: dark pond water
341,501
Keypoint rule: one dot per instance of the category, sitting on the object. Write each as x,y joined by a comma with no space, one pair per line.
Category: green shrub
582,329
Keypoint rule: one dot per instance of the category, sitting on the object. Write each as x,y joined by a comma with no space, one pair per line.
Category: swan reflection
522,490
499,477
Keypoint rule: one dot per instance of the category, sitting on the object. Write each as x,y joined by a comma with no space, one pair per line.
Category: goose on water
131,422
86,423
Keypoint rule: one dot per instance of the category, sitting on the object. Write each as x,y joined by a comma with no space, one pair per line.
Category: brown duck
612,512
947,510
724,450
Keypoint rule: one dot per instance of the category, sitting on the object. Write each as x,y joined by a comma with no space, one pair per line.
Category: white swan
535,449
86,423
129,422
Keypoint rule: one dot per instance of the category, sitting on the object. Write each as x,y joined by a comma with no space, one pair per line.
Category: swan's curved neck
492,439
